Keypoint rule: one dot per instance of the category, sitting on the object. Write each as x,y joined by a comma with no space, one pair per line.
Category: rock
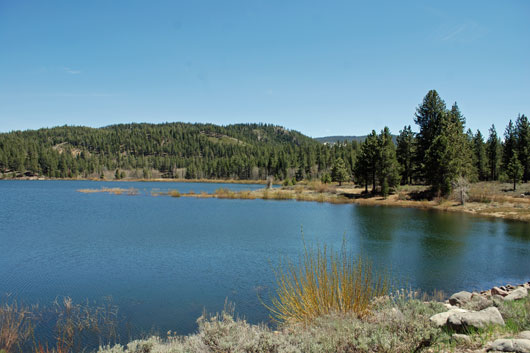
510,345
441,318
478,302
458,337
524,335
475,319
460,298
516,294
498,291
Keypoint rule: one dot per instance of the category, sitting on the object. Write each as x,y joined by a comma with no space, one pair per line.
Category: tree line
443,151
440,152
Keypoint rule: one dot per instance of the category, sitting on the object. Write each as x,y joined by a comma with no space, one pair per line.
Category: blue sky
319,67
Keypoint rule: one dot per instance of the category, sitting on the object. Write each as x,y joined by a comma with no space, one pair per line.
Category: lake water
163,260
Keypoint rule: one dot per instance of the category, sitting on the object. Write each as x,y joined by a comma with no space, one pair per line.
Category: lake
164,260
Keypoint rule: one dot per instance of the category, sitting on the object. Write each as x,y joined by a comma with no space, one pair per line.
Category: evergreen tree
493,150
387,164
510,144
405,154
339,173
428,117
514,169
479,151
366,167
523,144
449,155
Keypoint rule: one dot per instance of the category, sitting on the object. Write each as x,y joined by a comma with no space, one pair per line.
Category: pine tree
479,151
366,166
387,164
449,156
522,128
514,169
405,154
510,144
493,150
428,117
339,173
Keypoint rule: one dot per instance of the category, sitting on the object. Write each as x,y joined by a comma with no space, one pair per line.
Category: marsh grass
174,193
74,326
325,282
114,191
16,324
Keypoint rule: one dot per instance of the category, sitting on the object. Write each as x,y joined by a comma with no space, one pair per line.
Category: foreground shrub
323,283
400,325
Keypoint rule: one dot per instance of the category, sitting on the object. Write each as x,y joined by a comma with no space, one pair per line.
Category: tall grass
325,282
16,325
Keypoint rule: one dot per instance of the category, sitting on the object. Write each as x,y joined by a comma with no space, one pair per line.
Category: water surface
163,260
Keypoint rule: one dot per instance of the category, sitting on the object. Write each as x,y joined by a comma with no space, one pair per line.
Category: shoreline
509,208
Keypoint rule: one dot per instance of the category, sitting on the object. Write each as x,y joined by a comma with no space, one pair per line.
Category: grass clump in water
323,283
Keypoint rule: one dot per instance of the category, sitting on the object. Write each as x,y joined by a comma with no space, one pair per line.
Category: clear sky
319,67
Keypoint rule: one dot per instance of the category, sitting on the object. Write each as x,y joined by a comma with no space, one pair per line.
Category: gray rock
460,298
510,345
516,294
478,302
458,337
441,318
524,335
475,319
498,291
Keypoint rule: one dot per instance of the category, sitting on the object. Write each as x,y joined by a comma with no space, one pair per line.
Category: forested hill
341,139
181,150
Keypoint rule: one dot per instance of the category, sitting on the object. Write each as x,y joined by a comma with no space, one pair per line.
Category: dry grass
324,283
174,193
16,325
114,191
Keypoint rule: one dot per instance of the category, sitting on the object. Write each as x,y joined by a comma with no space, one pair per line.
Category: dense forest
438,154
171,150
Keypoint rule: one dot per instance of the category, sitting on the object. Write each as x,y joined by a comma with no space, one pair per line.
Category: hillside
333,139
170,150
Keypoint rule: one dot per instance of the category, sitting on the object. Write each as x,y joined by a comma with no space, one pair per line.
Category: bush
324,283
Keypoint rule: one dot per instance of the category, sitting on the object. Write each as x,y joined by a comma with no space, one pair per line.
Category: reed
325,282
16,325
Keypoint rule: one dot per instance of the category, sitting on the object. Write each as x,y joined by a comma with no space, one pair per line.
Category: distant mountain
239,151
333,139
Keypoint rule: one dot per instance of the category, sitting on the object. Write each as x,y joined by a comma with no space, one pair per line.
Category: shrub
174,193
325,282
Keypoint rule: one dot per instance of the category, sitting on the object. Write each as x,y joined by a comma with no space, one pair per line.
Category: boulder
478,302
460,298
524,335
475,319
516,294
498,291
510,345
441,318
460,338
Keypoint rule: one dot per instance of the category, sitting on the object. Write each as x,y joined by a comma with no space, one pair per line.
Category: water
164,260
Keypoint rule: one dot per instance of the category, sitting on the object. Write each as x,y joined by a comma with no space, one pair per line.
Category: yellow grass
325,282
115,191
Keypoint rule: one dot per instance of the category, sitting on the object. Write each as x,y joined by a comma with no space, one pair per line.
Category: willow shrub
325,282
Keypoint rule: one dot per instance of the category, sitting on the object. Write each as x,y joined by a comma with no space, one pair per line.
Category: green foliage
387,164
366,167
514,169
493,150
338,172
522,130
405,152
479,156
326,178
